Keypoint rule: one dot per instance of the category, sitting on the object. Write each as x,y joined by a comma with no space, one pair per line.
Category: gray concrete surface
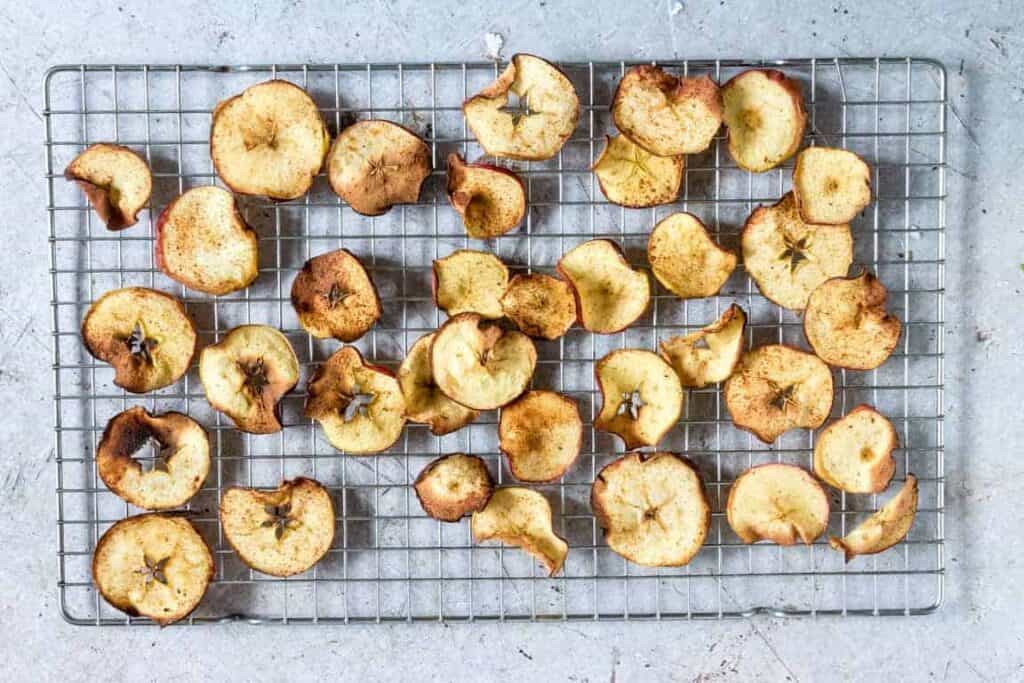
976,635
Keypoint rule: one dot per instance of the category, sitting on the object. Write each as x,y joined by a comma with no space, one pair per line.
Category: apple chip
180,463
641,396
374,165
776,388
540,305
454,486
490,199
666,115
425,403
282,531
116,181
847,325
831,185
885,528
144,334
685,259
854,453
764,112
153,565
778,503
246,373
541,434
480,365
360,406
334,296
710,354
269,140
468,281
652,508
789,258
538,124
205,244
610,294
631,176
521,517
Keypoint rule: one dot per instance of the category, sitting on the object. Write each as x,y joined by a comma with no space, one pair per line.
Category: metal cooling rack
391,562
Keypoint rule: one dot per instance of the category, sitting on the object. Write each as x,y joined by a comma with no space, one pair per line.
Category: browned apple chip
521,517
334,296
540,305
710,354
885,528
116,181
631,176
686,260
764,112
778,503
490,199
454,486
425,403
854,453
831,185
641,396
610,294
541,434
468,281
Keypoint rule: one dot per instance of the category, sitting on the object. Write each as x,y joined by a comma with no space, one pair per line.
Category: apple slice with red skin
490,199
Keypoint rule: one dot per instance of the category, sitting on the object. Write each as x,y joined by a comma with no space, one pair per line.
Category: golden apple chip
764,112
631,176
710,354
641,396
521,517
779,503
685,259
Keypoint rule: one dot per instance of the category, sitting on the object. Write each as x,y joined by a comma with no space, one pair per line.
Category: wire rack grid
391,562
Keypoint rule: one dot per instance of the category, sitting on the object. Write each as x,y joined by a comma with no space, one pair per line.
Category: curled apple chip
144,334
631,176
610,294
521,517
541,434
334,296
540,305
205,244
641,396
246,373
269,140
847,325
468,281
831,185
282,531
789,258
653,508
710,354
374,165
181,458
535,127
116,181
425,403
778,503
480,365
360,406
764,112
854,453
685,259
885,528
776,388
153,565
666,115
490,199
454,486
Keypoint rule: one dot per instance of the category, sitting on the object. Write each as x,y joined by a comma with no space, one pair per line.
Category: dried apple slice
116,181
764,112
847,325
334,296
631,176
490,199
205,244
776,388
666,115
854,453
541,434
153,565
360,406
144,334
480,365
468,281
885,528
246,373
536,127
540,305
282,531
521,517
831,185
454,486
789,258
710,354
685,259
641,396
779,503
269,140
610,294
374,165
425,403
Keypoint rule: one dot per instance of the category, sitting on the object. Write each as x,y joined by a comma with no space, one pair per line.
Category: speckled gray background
976,635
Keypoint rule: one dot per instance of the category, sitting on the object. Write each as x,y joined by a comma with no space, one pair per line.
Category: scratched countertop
975,635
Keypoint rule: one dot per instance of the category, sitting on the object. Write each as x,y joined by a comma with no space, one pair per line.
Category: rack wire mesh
389,560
